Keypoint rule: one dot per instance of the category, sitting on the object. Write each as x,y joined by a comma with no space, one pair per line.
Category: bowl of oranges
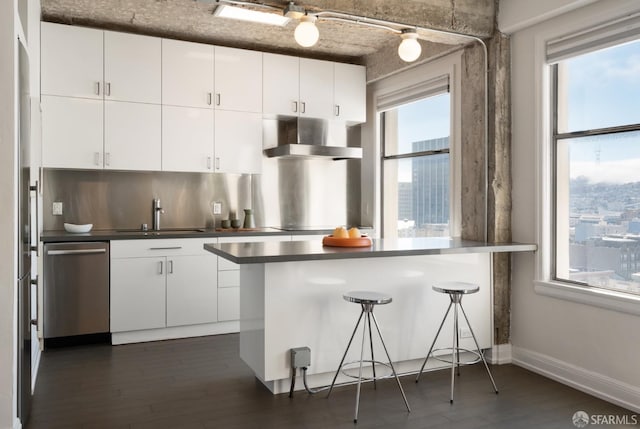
342,237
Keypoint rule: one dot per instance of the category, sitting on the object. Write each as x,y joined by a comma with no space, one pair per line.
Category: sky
603,90
423,120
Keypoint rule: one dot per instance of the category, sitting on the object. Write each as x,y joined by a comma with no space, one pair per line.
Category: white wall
8,263
515,15
593,348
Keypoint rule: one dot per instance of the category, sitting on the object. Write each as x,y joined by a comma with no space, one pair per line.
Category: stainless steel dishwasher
76,289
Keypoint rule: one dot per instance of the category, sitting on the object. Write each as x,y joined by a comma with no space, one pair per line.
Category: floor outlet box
301,357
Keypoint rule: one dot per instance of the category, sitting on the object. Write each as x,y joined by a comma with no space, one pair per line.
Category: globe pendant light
307,33
409,49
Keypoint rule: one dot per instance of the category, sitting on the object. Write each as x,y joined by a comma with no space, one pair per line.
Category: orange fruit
340,232
354,233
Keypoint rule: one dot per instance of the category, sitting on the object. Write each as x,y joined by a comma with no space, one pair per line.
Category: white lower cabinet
138,297
229,303
229,277
191,292
159,283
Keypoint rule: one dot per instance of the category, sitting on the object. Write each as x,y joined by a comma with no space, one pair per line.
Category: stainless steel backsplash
289,193
123,199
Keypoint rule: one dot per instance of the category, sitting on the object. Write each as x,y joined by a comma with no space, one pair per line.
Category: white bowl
70,227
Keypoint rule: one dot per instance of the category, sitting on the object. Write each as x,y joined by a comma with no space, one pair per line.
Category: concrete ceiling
193,20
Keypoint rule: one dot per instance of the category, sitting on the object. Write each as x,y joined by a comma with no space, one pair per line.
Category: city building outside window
416,167
596,148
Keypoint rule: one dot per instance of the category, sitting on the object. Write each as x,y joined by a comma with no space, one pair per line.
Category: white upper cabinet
238,79
132,136
309,88
187,74
281,85
350,93
187,139
238,142
132,67
316,88
71,61
72,132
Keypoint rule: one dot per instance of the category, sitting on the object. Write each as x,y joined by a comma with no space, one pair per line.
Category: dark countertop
131,234
287,251
107,235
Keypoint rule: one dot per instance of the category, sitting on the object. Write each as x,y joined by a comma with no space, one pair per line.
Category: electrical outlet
57,208
217,208
465,333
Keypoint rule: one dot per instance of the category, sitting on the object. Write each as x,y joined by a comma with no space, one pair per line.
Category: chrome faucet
157,211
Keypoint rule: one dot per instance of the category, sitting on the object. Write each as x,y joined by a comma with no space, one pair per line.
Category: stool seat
366,297
456,287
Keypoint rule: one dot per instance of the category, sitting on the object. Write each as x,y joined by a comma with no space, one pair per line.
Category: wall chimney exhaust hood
307,138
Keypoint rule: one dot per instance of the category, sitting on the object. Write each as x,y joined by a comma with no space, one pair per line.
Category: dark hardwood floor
202,383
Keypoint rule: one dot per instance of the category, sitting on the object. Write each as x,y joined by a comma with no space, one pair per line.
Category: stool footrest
343,370
450,361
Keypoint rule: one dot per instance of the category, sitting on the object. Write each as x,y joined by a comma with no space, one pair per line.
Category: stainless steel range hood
307,138
314,151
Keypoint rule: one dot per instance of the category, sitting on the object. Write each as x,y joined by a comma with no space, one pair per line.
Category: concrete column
499,164
499,214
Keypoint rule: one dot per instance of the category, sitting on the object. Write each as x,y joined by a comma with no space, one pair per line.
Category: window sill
610,300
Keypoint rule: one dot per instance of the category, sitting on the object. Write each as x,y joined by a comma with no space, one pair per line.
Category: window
596,147
416,166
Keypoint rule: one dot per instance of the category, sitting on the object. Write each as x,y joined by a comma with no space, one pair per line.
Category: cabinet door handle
107,158
170,267
161,264
337,110
218,98
34,188
96,158
209,98
166,248
217,163
294,106
97,88
108,88
208,163
34,322
303,106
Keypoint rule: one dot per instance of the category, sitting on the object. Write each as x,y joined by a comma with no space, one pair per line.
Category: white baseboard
499,354
593,383
175,332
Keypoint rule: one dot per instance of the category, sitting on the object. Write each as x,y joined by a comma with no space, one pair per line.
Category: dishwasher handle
75,251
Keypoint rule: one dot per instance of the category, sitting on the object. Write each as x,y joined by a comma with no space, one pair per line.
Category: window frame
556,137
404,81
544,282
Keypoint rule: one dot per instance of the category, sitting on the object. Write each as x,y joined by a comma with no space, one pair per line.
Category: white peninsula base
284,305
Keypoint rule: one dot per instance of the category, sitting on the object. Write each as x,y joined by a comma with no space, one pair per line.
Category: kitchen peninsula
291,296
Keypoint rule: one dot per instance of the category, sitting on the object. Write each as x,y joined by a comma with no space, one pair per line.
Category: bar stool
367,301
456,290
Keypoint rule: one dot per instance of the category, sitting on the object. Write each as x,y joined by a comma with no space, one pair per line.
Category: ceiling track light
409,49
